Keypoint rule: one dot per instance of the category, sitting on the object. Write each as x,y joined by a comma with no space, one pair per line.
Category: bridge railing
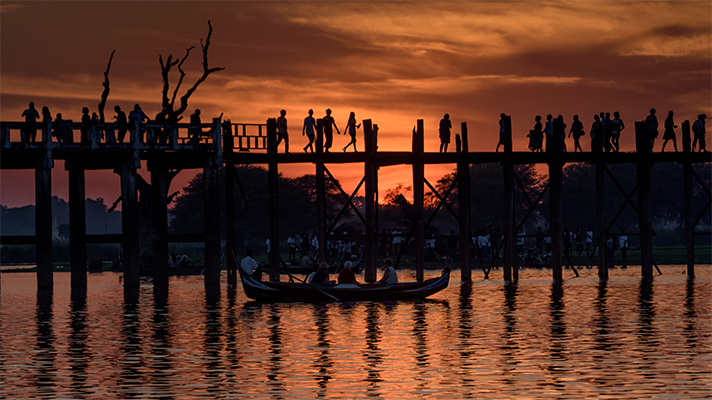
97,135
246,137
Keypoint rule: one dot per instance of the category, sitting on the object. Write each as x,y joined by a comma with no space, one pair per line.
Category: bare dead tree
105,93
170,103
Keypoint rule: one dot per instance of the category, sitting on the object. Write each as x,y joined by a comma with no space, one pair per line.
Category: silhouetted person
195,131
309,129
351,129
698,128
58,129
596,134
97,131
502,139
137,115
651,126
623,244
567,236
160,134
560,118
578,236
539,241
121,124
329,126
607,132
669,133
536,135
549,132
445,126
577,132
46,117
282,130
618,127
29,131
86,122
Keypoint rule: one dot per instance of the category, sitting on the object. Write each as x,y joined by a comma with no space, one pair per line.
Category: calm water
625,339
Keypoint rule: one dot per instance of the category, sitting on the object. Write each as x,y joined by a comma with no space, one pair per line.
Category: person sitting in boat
250,265
347,276
390,277
321,275
306,260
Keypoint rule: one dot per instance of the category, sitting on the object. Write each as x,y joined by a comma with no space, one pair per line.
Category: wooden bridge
224,145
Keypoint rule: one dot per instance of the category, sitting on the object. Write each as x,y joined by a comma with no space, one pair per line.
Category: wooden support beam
130,224
320,191
418,198
687,190
273,198
230,180
211,210
159,220
644,166
77,224
601,215
510,268
556,148
43,220
371,176
463,191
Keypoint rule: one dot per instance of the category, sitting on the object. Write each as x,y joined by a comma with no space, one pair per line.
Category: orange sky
391,62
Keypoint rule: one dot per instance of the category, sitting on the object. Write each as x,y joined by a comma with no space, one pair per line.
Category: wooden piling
320,191
130,223
510,269
211,212
645,225
463,190
418,198
273,198
556,165
687,183
43,220
230,177
371,180
159,220
77,224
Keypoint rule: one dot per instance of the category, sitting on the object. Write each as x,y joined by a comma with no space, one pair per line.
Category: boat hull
301,292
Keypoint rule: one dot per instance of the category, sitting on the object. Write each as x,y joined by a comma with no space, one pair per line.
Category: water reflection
510,347
231,342
78,354
323,363
131,357
46,354
161,362
213,342
274,322
558,340
690,330
372,354
648,342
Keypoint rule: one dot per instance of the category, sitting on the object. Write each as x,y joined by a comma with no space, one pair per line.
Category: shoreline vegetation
663,255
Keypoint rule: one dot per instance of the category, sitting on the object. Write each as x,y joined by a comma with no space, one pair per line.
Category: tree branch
165,69
182,75
105,93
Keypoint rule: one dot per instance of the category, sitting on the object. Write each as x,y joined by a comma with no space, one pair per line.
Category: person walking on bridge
445,126
351,128
282,130
308,129
329,123
669,131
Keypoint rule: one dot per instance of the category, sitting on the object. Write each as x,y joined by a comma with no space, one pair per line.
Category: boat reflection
373,357
323,363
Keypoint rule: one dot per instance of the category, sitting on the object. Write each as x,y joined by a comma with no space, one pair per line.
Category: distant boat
315,292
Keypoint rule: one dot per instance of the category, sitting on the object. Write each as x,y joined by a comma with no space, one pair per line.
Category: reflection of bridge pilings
46,354
77,352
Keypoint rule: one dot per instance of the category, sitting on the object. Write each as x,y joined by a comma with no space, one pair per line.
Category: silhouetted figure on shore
536,136
46,117
444,130
669,133
137,115
651,126
329,126
351,129
698,129
86,123
577,132
596,134
29,131
195,131
502,139
308,129
282,130
121,124
618,127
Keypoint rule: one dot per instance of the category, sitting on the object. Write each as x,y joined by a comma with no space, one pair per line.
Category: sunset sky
393,63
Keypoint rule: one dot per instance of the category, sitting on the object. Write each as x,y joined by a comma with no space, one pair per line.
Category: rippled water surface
624,339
